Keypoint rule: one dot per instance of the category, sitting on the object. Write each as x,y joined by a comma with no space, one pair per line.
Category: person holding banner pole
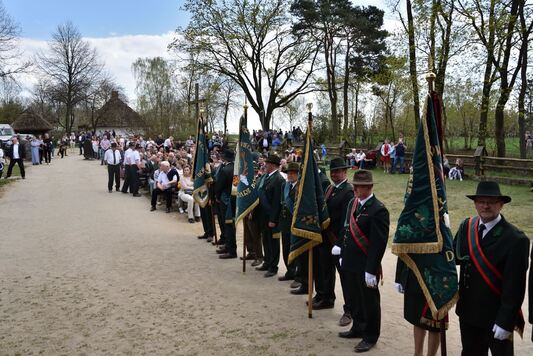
226,205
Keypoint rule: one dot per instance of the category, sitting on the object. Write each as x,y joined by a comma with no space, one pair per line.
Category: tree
525,85
10,54
96,97
71,65
156,93
251,43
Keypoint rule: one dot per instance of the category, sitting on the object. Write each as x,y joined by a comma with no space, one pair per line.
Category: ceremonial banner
247,195
423,239
201,168
310,215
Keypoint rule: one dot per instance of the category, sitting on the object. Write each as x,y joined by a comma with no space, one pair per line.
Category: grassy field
390,189
15,173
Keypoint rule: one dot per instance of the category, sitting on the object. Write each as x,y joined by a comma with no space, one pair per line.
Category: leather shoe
299,291
315,299
249,257
285,278
209,239
228,255
152,208
136,195
363,346
263,267
221,251
295,284
270,274
200,237
351,334
345,320
257,262
323,305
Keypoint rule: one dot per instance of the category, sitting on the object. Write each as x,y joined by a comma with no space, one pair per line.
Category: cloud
116,52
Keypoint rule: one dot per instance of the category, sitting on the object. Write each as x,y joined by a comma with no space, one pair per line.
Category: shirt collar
489,225
362,202
271,173
341,183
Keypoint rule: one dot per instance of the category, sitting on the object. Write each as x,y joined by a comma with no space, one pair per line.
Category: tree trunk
331,80
412,62
524,85
346,88
356,114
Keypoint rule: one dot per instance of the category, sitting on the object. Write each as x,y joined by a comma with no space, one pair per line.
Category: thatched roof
29,122
116,113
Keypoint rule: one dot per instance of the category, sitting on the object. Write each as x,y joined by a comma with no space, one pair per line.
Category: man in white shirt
112,158
360,159
16,155
164,185
132,163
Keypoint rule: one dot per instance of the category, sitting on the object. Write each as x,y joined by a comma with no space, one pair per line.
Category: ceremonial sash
487,270
358,236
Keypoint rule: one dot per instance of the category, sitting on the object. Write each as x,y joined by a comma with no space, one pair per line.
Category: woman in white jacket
185,195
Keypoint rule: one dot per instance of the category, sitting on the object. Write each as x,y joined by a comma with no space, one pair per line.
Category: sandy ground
85,272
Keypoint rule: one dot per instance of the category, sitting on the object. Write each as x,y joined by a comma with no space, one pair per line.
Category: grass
14,173
390,189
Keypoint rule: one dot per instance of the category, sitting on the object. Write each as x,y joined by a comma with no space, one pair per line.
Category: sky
120,30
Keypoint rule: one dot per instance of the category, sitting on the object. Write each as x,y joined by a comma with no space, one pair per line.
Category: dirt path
83,271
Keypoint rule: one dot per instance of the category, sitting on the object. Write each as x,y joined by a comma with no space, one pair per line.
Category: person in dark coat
288,199
16,154
269,187
493,255
365,241
226,205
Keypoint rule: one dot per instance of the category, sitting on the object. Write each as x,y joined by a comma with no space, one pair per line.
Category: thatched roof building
29,122
116,115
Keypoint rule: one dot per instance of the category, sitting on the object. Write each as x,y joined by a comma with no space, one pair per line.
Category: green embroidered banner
310,215
423,239
247,195
201,168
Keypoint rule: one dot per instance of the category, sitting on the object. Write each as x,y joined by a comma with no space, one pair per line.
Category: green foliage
9,112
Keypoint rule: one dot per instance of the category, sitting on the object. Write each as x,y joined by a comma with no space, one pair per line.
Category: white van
6,132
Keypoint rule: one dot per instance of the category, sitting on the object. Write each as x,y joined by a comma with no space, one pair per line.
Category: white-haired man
164,185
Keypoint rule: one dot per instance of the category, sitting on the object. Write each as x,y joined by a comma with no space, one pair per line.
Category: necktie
480,229
114,157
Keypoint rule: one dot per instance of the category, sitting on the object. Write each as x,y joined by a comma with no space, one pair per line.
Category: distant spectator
385,155
446,165
457,172
2,161
400,156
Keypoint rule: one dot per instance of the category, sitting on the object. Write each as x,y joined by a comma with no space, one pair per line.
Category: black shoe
136,195
200,237
191,221
168,210
315,299
152,208
285,278
123,192
117,189
209,239
228,255
270,274
263,267
351,334
197,219
299,291
110,190
323,305
363,346
221,251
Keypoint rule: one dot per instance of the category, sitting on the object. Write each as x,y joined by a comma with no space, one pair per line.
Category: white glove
243,179
371,280
446,217
500,334
340,261
336,250
399,288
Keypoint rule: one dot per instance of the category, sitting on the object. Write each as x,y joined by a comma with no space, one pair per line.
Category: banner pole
310,285
443,351
243,245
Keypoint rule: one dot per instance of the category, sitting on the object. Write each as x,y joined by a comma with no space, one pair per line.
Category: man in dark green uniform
287,202
493,255
365,241
270,208
226,205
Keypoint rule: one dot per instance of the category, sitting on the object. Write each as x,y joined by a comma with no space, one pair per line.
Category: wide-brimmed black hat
228,155
274,159
362,177
293,167
337,163
489,189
